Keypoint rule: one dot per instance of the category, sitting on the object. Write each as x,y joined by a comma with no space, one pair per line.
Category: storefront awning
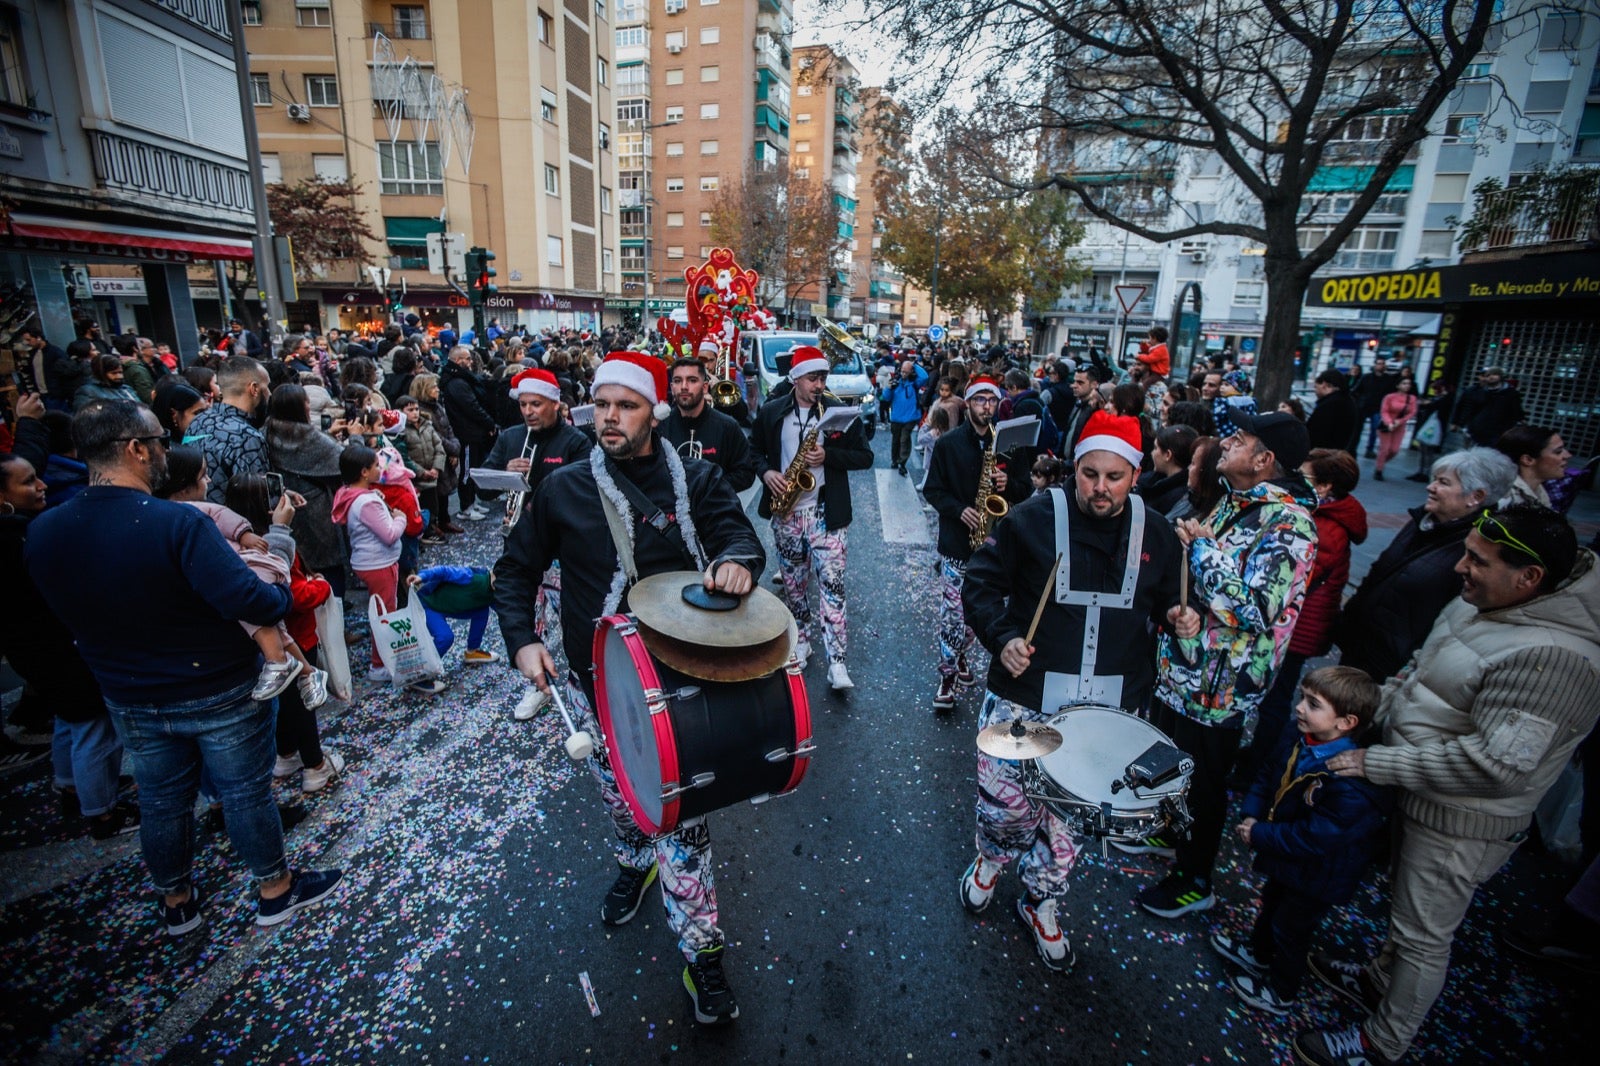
1568,279
410,232
41,228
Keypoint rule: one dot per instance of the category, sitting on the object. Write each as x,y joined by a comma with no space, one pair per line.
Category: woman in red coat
1341,522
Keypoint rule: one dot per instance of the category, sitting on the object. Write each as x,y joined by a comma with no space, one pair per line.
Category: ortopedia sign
1562,278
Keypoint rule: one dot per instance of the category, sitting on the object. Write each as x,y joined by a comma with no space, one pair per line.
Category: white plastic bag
404,643
335,656
1560,812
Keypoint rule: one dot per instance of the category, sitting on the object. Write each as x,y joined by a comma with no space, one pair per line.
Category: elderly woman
1390,615
1540,454
308,459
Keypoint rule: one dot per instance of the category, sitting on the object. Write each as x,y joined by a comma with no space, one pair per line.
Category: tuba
725,391
835,341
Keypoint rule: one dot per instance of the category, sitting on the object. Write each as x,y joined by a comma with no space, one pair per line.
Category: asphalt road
477,855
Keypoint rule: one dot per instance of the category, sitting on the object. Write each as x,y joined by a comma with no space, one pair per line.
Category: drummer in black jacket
951,489
698,430
812,533
700,527
1095,643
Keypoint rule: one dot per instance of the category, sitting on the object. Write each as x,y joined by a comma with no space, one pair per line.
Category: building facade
110,171
880,290
827,143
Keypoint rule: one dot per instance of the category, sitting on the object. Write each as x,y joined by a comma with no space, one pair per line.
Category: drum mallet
580,745
1038,612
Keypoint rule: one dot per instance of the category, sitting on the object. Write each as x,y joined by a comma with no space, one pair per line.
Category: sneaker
306,887
432,539
1258,994
428,686
316,778
379,674
839,678
963,671
1176,895
118,821
977,884
802,652
275,677
1054,947
1348,980
452,529
313,687
533,701
627,892
706,984
1147,846
1338,1047
1237,952
479,657
945,698
183,918
287,764
14,756
1561,944
475,513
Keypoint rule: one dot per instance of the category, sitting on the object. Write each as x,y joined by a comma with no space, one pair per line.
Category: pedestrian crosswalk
900,509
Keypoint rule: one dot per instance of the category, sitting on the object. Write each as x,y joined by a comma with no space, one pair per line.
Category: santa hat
535,382
982,384
1106,432
807,359
644,374
708,348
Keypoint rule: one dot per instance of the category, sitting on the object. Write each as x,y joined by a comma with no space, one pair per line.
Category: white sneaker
977,884
275,677
286,765
313,686
802,652
532,702
1054,947
475,513
379,673
315,779
839,677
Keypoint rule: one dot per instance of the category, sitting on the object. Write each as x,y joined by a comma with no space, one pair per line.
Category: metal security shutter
1556,364
141,75
212,94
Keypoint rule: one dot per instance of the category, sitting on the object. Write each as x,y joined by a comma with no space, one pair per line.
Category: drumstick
1038,612
1183,583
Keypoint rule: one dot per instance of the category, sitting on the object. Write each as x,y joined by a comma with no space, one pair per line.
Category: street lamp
645,199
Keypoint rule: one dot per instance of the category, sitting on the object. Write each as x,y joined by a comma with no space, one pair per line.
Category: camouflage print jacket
1249,584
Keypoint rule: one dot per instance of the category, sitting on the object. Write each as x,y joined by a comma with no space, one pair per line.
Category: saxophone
990,505
800,479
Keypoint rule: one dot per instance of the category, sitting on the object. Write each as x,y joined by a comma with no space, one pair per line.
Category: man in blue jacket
905,411
175,668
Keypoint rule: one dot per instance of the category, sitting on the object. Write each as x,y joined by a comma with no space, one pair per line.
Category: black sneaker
963,671
306,887
185,917
1348,980
1239,953
1560,944
627,892
706,984
119,820
945,699
14,756
1338,1047
1146,846
1176,895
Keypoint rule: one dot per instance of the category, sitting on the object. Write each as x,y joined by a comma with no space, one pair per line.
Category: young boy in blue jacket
1313,834
457,592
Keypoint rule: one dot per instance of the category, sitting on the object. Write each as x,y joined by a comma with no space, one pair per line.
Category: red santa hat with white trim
535,382
1117,434
807,359
982,384
644,374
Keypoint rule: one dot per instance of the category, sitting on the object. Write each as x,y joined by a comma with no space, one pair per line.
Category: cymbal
1019,740
721,664
757,618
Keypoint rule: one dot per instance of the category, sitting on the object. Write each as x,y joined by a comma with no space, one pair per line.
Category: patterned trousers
547,614
804,541
683,856
1010,825
955,636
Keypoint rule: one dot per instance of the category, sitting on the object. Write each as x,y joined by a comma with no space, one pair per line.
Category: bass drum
681,747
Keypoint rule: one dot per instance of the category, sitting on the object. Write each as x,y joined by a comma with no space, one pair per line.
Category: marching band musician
1117,581
813,531
700,431
543,443
697,525
952,490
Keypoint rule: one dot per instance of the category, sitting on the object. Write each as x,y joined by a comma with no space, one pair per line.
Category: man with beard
1116,582
812,533
700,431
175,669
952,490
229,432
696,524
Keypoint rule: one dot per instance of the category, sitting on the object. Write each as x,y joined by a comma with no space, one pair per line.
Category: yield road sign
1129,295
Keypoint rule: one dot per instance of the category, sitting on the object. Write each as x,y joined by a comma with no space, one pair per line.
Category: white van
849,379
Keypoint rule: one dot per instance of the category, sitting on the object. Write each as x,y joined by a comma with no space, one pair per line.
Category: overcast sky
871,58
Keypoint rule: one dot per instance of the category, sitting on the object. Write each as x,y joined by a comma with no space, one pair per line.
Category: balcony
137,166
1549,210
401,30
770,54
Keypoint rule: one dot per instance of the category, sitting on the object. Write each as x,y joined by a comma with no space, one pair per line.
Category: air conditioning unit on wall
674,48
300,112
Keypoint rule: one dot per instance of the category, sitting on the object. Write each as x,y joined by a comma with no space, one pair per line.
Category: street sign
435,253
1129,295
936,333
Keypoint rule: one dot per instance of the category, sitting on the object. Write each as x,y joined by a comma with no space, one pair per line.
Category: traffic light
395,301
481,273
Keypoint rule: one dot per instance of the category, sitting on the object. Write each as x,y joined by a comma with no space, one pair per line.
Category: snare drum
1083,780
680,746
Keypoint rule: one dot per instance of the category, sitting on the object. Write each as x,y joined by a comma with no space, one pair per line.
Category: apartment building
115,180
488,118
703,94
826,152
880,291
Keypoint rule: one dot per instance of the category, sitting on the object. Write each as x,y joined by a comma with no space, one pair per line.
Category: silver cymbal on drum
1017,739
674,605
